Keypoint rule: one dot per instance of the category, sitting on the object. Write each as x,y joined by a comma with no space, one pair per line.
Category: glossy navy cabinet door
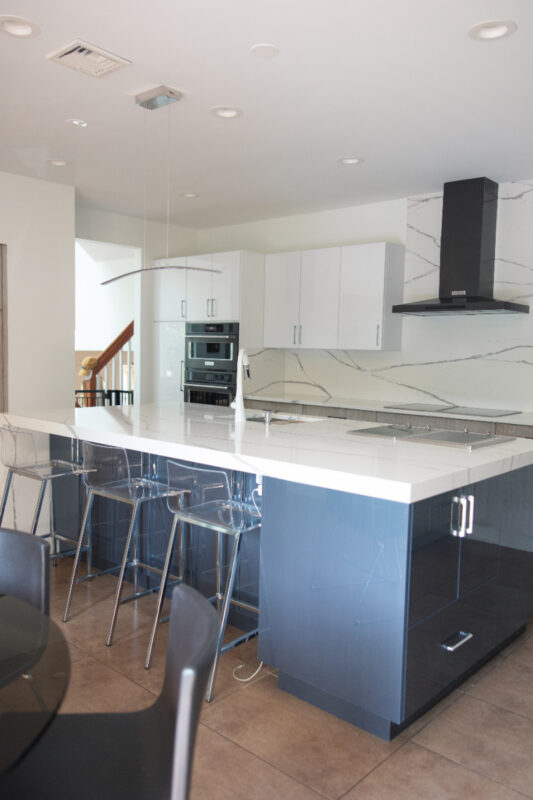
434,558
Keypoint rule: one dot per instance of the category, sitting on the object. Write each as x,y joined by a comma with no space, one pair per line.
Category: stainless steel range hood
468,238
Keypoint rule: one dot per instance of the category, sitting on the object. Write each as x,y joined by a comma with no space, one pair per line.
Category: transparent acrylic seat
116,474
22,454
201,497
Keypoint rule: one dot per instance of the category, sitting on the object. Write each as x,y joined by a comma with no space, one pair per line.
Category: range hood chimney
468,239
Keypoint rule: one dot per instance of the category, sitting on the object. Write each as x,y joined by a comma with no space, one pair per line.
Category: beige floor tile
426,718
94,687
413,772
484,738
224,771
88,628
321,751
510,684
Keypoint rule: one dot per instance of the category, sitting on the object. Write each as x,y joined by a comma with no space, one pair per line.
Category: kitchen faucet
243,365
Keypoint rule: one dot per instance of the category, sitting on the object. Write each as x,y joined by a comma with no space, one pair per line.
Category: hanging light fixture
153,99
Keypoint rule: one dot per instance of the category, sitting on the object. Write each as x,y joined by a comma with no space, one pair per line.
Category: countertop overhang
318,453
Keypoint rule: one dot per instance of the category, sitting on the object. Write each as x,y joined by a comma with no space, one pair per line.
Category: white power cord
245,680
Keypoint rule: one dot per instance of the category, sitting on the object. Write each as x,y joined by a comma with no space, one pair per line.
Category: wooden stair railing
105,357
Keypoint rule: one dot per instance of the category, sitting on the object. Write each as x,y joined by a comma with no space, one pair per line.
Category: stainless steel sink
280,418
465,439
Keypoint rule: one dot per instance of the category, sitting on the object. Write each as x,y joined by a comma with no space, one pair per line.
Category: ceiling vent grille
88,59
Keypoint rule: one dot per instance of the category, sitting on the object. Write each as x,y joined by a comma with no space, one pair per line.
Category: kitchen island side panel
333,594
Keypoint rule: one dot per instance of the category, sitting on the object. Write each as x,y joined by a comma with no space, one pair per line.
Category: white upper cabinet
334,298
302,298
199,288
371,282
221,286
282,299
319,298
226,285
169,292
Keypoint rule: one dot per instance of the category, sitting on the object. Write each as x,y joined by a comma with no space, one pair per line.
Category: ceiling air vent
88,59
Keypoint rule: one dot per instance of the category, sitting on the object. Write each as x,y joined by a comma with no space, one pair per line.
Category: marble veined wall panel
475,359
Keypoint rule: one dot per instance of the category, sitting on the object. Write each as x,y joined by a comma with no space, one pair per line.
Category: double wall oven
211,351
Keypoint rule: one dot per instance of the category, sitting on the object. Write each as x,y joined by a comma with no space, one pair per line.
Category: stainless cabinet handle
294,334
212,306
457,640
300,339
462,503
470,526
377,335
181,375
183,309
207,307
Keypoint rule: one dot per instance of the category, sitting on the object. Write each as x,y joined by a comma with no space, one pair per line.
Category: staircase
110,379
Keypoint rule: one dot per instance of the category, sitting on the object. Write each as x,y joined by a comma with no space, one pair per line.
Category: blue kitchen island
370,606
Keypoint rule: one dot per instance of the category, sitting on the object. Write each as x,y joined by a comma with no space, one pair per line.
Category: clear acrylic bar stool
201,497
22,455
115,473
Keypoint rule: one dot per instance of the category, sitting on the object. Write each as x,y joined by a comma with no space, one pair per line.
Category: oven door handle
206,386
215,337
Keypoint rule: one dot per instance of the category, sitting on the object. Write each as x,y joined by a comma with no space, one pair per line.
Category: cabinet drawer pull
470,526
452,643
461,503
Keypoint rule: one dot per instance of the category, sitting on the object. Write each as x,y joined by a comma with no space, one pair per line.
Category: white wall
151,237
102,312
366,223
37,225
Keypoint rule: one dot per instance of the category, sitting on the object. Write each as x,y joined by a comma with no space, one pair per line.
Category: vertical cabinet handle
183,309
207,307
294,334
470,525
377,335
212,306
462,521
300,338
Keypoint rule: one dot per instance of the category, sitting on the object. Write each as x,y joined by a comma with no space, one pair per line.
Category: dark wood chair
145,754
25,568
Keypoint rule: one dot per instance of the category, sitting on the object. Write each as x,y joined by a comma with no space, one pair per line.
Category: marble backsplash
475,359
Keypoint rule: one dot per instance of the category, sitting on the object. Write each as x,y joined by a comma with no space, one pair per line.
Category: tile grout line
268,763
470,769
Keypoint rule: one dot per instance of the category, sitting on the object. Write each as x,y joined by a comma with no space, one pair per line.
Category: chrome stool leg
162,588
81,537
133,522
7,487
232,570
38,507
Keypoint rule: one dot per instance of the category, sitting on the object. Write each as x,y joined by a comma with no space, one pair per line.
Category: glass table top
34,673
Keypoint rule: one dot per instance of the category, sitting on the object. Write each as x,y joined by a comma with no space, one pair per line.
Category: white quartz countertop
318,453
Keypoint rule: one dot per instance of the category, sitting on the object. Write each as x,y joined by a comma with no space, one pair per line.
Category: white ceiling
397,82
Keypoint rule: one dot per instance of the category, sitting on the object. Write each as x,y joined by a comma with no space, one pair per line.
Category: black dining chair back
139,755
25,568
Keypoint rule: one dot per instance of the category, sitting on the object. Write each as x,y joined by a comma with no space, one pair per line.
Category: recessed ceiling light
225,112
78,123
349,160
57,162
264,50
189,195
493,29
18,26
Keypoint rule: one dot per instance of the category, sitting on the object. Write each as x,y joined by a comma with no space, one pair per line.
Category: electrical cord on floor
245,680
